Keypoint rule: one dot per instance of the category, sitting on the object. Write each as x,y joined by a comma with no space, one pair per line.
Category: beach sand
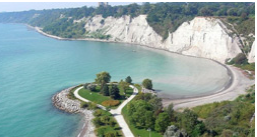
239,83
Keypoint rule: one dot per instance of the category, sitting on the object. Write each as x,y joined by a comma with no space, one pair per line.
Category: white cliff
202,37
251,56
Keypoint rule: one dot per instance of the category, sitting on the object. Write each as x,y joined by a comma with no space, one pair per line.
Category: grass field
98,98
95,97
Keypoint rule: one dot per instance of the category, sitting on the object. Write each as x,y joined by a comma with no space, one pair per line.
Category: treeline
163,17
146,112
225,119
167,17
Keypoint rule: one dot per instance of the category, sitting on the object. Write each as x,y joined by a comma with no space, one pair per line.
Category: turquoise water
34,67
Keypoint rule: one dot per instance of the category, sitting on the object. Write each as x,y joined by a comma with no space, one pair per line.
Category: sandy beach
88,128
239,84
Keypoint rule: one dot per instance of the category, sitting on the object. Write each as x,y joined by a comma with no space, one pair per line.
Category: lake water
34,67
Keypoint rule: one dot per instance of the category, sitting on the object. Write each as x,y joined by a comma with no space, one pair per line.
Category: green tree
128,80
114,91
147,83
156,103
189,122
102,78
124,86
105,90
97,122
162,122
170,111
141,113
149,119
91,87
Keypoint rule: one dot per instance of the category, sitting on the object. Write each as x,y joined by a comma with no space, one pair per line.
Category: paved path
76,94
115,112
118,116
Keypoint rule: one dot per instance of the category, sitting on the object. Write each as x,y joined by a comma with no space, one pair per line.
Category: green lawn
98,98
95,97
138,132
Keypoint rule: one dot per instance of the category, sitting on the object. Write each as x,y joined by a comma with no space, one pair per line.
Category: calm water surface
34,67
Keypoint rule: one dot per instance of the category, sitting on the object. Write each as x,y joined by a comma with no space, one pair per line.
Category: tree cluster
146,111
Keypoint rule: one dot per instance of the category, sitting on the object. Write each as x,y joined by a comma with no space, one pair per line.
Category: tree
128,80
147,83
102,78
162,122
114,91
141,114
124,86
156,103
232,12
105,90
149,119
190,123
205,11
170,111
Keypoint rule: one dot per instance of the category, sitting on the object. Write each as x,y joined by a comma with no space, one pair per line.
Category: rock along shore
61,101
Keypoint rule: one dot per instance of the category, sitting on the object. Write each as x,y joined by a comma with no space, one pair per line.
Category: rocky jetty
62,102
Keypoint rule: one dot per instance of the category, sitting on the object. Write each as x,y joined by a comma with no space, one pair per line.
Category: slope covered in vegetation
163,17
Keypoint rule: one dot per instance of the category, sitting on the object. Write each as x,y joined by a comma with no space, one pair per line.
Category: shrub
111,134
111,103
85,85
98,113
97,122
91,87
71,95
240,59
84,104
92,106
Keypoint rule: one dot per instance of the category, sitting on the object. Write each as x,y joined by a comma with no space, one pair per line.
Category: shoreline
62,102
238,86
229,71
226,93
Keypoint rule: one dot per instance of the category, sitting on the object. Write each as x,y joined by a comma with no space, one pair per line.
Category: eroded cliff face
202,37
251,56
125,29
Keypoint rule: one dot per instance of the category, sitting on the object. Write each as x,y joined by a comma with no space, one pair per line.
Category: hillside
228,28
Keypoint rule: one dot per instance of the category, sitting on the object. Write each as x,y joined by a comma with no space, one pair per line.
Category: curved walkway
76,94
115,112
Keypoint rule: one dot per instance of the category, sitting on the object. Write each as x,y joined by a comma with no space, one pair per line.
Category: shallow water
34,67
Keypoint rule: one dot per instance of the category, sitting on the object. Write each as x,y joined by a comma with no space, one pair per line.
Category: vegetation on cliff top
163,17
